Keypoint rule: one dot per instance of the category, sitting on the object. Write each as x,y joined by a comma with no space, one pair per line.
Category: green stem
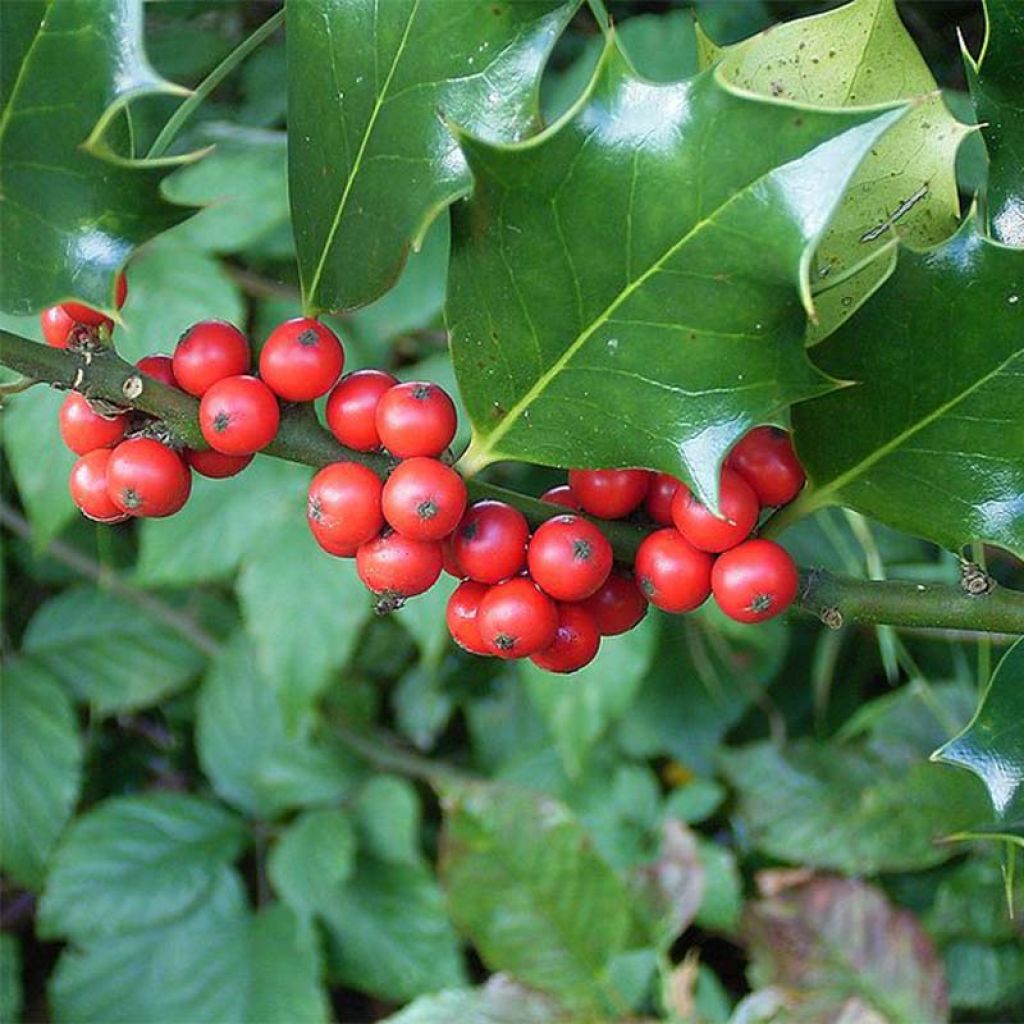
301,438
177,120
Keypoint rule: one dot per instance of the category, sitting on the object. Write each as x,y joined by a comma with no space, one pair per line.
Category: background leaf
366,84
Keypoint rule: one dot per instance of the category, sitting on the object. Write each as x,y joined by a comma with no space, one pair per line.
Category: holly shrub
551,478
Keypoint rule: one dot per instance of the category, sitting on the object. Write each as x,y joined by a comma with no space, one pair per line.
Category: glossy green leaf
40,768
581,707
849,809
217,964
69,219
11,995
992,745
840,951
137,862
109,652
387,814
859,55
532,895
251,756
998,95
929,440
626,268
371,160
983,976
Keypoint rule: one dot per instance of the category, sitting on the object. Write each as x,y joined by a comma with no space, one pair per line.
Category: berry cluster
549,595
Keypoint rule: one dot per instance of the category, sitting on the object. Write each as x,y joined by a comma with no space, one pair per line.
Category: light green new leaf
40,768
860,55
68,218
998,94
137,862
527,887
251,756
581,707
217,964
499,1001
992,745
930,439
109,652
626,267
370,87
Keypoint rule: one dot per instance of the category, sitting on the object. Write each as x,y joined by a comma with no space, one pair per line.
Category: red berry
83,314
490,542
239,415
120,289
575,644
207,352
216,465
56,326
569,558
84,430
754,581
352,408
159,367
417,418
703,529
88,486
618,605
461,613
424,499
146,478
673,575
451,562
561,495
609,493
397,567
301,360
343,507
658,502
516,619
766,460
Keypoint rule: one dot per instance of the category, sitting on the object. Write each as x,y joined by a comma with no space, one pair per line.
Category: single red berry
672,574
207,352
120,290
216,465
159,367
88,486
146,478
239,415
569,558
83,314
490,542
351,410
84,430
417,418
618,605
461,614
451,562
424,499
703,529
396,567
575,644
516,619
56,326
561,495
343,506
301,360
754,581
766,460
658,503
609,493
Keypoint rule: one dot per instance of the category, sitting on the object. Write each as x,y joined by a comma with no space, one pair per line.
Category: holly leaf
929,441
838,950
856,56
69,218
995,84
371,161
627,267
992,744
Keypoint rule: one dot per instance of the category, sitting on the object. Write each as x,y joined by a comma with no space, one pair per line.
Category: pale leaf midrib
5,116
357,162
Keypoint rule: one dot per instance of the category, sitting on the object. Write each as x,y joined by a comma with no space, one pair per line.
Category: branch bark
301,438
